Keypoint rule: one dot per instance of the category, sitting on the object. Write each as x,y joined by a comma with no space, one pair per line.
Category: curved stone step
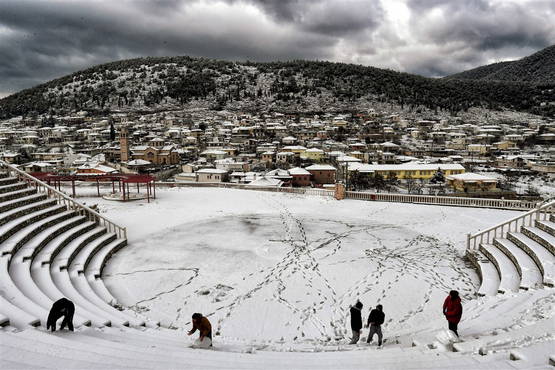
509,277
45,254
8,180
489,275
60,274
544,259
547,226
545,239
17,194
530,274
12,294
25,210
40,269
20,202
4,320
17,240
8,188
81,283
32,247
16,316
12,227
63,282
20,274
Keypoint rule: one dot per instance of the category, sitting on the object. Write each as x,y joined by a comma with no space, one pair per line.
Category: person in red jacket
452,309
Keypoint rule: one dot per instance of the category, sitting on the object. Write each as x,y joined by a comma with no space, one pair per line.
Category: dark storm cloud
40,40
327,17
475,32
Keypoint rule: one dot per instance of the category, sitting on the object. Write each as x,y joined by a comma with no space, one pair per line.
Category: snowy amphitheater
275,273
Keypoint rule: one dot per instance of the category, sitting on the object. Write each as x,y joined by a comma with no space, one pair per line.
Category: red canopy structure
123,181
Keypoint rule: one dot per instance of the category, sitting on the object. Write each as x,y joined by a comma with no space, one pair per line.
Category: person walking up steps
452,309
356,321
375,321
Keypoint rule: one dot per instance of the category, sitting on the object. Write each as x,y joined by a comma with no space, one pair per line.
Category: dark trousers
375,329
68,319
453,327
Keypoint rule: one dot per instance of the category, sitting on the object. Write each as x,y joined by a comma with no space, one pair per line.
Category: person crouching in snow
204,327
356,322
452,309
62,307
375,321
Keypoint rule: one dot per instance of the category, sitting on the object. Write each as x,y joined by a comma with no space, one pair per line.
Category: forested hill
183,82
537,68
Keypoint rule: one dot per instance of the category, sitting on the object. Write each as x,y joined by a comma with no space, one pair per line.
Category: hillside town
366,151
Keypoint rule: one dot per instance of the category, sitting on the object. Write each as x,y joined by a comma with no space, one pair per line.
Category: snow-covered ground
277,273
283,269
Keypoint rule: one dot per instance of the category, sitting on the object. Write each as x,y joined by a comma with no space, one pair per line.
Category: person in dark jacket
62,307
202,324
452,309
356,322
375,321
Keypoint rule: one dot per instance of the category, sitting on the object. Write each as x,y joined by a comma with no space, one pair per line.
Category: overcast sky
44,39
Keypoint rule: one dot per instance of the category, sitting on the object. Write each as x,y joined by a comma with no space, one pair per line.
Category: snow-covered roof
298,171
138,162
411,166
212,170
321,167
96,166
266,181
348,158
471,177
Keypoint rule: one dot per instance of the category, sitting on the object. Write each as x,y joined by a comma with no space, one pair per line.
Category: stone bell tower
124,144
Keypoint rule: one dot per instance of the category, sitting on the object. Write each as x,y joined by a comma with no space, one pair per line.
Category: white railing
227,185
520,205
541,213
70,203
443,200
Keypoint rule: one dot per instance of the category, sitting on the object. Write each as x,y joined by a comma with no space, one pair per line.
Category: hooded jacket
376,317
356,317
452,309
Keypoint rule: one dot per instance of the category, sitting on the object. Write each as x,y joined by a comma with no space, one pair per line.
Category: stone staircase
518,254
52,247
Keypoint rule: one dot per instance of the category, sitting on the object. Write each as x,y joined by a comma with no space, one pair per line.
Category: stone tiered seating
45,250
25,209
530,274
488,274
12,227
508,273
524,259
20,202
4,197
540,236
544,259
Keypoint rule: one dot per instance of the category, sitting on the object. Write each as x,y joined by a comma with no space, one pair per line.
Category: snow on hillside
282,269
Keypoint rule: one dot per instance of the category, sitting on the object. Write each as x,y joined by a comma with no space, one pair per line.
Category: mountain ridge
537,68
183,82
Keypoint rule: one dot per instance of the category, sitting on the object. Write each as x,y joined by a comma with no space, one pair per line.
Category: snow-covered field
281,270
276,274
